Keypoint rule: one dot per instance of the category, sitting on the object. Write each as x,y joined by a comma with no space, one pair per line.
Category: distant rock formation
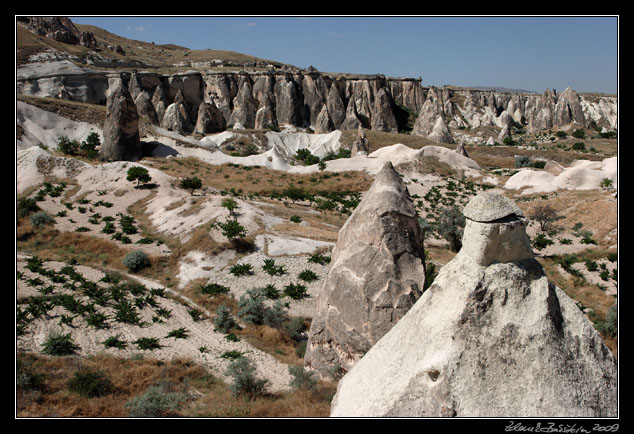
209,119
377,274
360,145
176,117
121,127
430,122
491,337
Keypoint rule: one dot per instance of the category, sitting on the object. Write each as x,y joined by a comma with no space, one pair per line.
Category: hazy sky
532,53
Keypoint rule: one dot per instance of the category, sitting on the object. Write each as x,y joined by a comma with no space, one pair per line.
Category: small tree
230,204
138,174
224,321
302,379
89,146
545,215
232,229
67,146
191,184
244,381
136,260
450,226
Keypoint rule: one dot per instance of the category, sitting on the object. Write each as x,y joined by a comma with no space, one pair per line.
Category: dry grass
77,111
208,396
260,180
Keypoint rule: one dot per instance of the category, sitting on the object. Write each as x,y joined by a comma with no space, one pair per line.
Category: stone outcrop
209,119
376,276
430,122
121,127
176,117
491,337
360,146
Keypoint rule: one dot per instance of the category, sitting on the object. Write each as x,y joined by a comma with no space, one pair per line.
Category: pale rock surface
377,274
121,127
360,144
491,337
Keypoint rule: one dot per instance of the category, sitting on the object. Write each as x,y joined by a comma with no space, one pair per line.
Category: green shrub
611,323
579,133
224,321
115,342
296,291
579,146
59,345
138,174
67,146
318,258
561,134
232,229
541,241
296,219
231,354
214,289
271,292
26,206
148,344
90,384
191,184
523,161
155,402
276,315
180,333
251,307
308,276
136,260
245,383
270,268
41,218
302,379
241,269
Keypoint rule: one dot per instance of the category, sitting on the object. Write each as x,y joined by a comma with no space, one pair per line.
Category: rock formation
209,119
176,116
377,274
121,127
491,337
360,144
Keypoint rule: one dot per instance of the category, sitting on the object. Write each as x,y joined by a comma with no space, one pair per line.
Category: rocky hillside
58,59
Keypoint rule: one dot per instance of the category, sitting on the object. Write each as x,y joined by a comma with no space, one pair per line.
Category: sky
521,52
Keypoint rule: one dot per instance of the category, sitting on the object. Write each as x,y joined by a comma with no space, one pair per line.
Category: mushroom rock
491,337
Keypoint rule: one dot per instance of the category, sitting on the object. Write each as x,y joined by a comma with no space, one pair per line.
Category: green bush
523,161
224,321
302,379
213,289
270,268
191,184
138,174
579,146
26,206
90,384
251,307
232,229
180,333
541,241
245,383
296,219
41,218
561,134
276,315
318,258
611,323
59,345
296,291
155,402
579,133
308,276
271,292
241,269
148,344
115,342
136,260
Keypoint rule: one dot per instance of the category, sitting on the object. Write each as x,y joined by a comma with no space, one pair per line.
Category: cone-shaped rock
121,127
376,276
491,337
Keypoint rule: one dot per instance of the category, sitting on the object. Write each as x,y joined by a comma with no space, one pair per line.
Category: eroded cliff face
323,102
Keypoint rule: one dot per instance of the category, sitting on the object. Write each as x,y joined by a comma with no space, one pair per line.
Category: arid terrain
142,281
